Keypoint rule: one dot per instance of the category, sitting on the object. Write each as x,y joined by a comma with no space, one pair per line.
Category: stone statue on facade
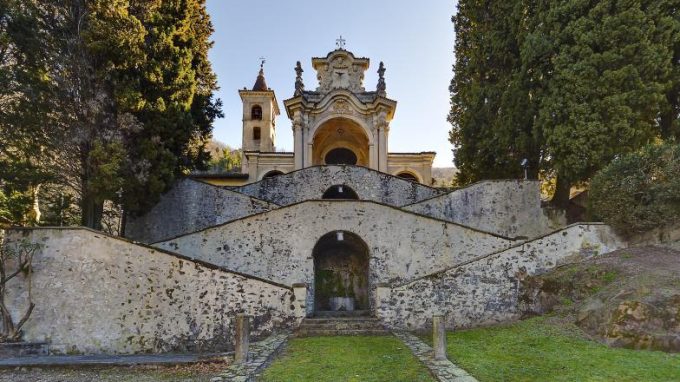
299,85
382,87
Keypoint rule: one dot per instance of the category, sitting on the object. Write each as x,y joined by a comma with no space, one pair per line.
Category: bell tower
260,110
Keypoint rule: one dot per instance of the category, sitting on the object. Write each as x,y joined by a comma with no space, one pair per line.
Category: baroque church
338,123
339,226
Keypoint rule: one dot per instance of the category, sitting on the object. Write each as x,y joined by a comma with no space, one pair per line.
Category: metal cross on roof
262,61
340,43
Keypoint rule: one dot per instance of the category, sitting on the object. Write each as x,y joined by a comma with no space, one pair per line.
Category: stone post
242,337
439,337
300,292
382,297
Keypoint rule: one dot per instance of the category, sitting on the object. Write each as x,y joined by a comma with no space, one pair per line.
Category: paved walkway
110,360
260,355
444,371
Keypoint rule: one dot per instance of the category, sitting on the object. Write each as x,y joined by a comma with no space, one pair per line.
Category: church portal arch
340,135
340,191
341,261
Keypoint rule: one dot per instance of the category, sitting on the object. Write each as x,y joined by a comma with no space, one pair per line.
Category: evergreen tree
492,124
117,95
602,76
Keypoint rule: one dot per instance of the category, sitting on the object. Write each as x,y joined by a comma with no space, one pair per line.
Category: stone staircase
355,323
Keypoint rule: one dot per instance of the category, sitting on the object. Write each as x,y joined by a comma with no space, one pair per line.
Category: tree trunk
91,212
562,192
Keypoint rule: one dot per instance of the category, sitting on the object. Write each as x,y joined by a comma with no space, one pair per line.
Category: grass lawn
539,349
326,359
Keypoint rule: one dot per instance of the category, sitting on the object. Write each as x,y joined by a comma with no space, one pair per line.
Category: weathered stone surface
278,246
486,290
627,298
190,206
505,207
311,183
99,294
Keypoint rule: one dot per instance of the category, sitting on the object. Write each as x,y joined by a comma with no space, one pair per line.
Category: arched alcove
272,174
341,261
340,140
340,191
408,176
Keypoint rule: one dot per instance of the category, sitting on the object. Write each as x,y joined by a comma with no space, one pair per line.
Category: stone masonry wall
190,206
505,207
99,294
278,245
312,182
485,291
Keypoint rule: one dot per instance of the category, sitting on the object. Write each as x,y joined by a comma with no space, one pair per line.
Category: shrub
640,191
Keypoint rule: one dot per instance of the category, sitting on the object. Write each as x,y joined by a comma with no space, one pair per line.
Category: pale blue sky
413,38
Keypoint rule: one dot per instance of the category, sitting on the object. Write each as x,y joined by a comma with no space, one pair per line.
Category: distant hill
443,176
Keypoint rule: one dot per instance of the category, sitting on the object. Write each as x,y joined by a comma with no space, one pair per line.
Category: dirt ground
183,373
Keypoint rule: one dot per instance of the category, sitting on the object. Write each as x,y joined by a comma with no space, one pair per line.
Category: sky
413,38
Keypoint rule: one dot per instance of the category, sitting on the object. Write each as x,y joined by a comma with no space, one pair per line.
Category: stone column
382,133
242,338
439,337
372,156
298,146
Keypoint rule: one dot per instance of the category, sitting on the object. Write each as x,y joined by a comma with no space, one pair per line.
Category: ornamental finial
299,85
382,86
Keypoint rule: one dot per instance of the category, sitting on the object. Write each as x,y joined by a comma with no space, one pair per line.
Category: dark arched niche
340,192
341,156
408,176
272,174
340,271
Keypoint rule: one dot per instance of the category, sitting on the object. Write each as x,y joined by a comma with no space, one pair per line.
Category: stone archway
340,191
341,262
340,135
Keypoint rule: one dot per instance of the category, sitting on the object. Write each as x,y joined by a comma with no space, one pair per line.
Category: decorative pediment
340,70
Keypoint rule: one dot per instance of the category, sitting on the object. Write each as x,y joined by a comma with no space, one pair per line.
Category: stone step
341,326
343,313
344,332
322,321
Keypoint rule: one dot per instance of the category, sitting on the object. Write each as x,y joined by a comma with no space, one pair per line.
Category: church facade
337,123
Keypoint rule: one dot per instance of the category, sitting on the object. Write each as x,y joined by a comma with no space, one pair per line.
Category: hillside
627,298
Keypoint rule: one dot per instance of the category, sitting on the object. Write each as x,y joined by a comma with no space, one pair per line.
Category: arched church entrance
341,261
340,141
340,191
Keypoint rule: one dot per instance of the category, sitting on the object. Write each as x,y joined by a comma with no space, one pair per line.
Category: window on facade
256,113
256,133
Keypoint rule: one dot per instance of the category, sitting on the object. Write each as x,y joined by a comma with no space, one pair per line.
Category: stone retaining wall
505,207
278,245
190,206
99,294
485,290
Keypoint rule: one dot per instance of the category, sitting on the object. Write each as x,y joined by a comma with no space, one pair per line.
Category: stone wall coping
160,250
496,253
472,185
284,208
315,167
229,189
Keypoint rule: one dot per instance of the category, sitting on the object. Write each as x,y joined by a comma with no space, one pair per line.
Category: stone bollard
242,337
439,337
